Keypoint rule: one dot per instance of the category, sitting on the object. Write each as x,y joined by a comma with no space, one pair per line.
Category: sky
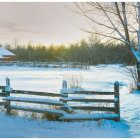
42,22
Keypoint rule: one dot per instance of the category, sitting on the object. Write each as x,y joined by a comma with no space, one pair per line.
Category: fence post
117,99
64,86
88,65
33,64
65,106
7,104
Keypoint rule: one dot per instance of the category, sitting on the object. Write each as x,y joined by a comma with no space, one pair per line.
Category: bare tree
116,21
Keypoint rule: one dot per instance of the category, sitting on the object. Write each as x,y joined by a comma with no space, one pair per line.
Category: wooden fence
111,110
66,111
47,64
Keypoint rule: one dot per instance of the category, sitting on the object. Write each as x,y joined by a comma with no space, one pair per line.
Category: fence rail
92,93
39,110
87,100
34,100
66,111
47,64
35,93
112,109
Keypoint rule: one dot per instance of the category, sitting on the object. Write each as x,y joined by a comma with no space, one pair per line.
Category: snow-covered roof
1,56
4,51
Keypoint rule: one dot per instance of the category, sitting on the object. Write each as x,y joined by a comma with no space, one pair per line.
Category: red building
6,55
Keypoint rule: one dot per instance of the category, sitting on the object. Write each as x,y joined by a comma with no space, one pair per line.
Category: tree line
91,51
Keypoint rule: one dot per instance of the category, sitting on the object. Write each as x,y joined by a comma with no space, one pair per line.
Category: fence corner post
117,99
7,106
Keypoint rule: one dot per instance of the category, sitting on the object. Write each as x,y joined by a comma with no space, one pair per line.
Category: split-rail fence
66,112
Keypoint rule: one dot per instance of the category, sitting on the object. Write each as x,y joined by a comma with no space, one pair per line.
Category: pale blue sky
44,23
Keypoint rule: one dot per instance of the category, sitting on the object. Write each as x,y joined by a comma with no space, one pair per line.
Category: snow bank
89,116
19,127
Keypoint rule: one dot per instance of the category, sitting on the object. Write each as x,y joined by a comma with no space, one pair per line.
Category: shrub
74,81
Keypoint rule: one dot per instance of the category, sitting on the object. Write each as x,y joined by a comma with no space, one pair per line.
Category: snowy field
99,78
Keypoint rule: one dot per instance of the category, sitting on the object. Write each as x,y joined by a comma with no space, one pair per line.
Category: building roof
4,52
1,56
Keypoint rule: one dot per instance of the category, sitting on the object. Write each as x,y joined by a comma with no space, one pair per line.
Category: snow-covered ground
99,78
18,127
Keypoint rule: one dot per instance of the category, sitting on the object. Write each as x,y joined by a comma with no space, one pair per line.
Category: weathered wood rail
35,93
67,111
